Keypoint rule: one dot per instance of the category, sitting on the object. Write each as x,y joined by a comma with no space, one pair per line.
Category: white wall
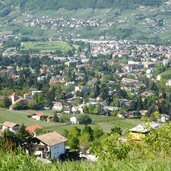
14,129
57,150
36,117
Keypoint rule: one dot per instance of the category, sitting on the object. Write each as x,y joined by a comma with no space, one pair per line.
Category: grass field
24,162
46,46
106,123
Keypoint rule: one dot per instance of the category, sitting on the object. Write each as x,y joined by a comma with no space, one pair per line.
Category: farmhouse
11,126
50,145
33,128
38,116
139,132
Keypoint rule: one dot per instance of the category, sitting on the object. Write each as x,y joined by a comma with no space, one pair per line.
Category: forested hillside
76,4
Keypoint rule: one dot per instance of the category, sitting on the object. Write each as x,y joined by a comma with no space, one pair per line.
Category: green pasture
104,122
47,46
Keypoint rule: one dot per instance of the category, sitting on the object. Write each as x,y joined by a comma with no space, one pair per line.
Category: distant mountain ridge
76,4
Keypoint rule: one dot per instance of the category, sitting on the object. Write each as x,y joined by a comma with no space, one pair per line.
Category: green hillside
76,4
22,162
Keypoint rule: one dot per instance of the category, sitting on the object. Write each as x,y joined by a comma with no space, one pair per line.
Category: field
46,46
106,123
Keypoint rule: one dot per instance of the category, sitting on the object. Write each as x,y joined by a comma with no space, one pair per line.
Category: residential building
50,145
38,116
11,126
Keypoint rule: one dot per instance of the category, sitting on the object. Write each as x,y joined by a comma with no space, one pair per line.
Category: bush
5,103
84,119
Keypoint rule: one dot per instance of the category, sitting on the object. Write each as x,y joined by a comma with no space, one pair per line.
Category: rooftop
52,138
33,128
9,124
144,128
39,114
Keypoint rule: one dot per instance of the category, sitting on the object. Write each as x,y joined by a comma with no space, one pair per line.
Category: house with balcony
50,145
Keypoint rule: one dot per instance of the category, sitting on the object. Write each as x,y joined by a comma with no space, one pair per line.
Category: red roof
33,128
40,114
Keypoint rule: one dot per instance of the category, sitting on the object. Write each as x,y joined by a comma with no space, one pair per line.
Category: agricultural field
106,123
46,47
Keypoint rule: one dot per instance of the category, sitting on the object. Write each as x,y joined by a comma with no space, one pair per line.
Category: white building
28,96
164,118
38,116
58,106
168,83
35,92
50,145
77,88
70,84
14,97
158,77
11,126
73,120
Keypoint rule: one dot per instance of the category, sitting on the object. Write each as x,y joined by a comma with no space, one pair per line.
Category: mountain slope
76,4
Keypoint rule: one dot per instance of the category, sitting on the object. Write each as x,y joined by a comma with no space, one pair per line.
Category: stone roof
51,138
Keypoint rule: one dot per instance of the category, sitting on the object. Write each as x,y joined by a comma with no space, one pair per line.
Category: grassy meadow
46,47
23,162
106,123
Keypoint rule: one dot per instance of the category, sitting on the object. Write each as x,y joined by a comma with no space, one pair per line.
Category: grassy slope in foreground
22,162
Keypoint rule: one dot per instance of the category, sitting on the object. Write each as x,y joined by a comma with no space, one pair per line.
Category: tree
155,116
116,130
73,142
5,103
23,135
85,140
73,137
19,106
116,102
88,130
9,141
32,104
97,133
111,148
64,118
55,118
84,119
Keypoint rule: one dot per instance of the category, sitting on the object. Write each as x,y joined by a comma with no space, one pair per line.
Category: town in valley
70,83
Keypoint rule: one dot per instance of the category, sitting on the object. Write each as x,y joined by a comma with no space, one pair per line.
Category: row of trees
82,139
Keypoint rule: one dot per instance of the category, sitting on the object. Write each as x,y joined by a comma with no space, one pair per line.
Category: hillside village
68,96
142,60
118,79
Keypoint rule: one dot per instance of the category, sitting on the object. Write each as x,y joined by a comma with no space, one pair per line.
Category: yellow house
140,131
